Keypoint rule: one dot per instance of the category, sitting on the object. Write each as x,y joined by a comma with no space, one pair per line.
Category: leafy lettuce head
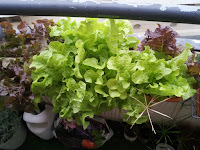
91,70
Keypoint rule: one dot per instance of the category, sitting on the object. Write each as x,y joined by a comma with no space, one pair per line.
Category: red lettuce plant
163,39
16,48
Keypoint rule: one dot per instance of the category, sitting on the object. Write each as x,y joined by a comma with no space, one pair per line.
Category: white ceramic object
16,140
131,139
41,124
163,146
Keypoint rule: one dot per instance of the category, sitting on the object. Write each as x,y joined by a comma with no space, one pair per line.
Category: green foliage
166,133
163,42
9,122
98,138
93,71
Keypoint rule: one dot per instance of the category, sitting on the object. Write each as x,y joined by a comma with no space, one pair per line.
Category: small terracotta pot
176,99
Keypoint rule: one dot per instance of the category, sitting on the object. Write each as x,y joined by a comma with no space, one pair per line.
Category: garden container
41,124
16,140
176,99
163,146
75,137
112,115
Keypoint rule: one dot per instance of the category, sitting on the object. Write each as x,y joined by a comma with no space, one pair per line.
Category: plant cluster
163,42
90,67
96,67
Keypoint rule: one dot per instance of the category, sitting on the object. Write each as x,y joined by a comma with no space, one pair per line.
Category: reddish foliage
163,39
17,47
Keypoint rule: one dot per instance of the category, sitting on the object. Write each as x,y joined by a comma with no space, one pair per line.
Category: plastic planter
176,99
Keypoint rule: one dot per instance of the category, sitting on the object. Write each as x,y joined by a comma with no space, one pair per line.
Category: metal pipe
157,12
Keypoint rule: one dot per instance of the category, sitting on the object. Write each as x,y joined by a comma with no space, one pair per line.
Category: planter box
112,115
176,99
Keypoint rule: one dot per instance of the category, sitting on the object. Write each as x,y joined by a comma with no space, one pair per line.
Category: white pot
16,140
131,139
41,124
163,146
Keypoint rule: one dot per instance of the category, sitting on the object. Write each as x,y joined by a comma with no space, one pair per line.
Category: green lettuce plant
92,70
